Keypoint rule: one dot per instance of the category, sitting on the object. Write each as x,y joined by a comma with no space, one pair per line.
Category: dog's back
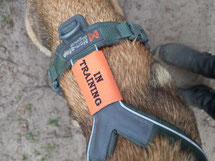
143,83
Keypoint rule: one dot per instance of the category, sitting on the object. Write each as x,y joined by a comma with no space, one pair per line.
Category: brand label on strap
96,81
82,42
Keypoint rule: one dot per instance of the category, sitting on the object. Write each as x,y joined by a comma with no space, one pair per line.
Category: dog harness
111,117
79,39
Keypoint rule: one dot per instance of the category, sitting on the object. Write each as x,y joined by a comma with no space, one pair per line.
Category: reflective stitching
71,62
91,136
165,127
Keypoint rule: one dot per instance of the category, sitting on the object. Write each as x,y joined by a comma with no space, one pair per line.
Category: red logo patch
93,35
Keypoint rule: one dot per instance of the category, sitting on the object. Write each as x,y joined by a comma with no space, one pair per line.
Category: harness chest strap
79,39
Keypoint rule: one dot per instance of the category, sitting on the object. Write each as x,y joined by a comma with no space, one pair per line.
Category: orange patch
96,81
93,35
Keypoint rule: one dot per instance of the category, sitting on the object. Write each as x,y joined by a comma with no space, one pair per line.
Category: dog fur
143,82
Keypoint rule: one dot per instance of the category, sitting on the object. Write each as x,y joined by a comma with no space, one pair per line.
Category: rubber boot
200,96
190,59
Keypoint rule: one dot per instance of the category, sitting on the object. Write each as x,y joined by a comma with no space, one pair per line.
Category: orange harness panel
96,81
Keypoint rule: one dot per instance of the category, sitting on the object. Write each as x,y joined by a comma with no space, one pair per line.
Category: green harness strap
84,39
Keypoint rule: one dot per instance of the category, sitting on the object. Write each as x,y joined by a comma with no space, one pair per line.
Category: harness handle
71,26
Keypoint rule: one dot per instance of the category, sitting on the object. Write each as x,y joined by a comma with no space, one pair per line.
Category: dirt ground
35,123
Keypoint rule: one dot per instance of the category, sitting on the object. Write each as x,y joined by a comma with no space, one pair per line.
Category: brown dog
143,83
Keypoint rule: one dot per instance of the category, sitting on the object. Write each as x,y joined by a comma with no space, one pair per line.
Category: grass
17,100
53,122
36,153
7,17
50,147
30,136
20,120
66,134
24,157
45,158
29,107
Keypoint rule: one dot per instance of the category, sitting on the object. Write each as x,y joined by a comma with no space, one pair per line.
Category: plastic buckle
139,33
56,86
71,26
143,37
132,29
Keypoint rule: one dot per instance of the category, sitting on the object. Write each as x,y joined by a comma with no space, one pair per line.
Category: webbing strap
79,39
